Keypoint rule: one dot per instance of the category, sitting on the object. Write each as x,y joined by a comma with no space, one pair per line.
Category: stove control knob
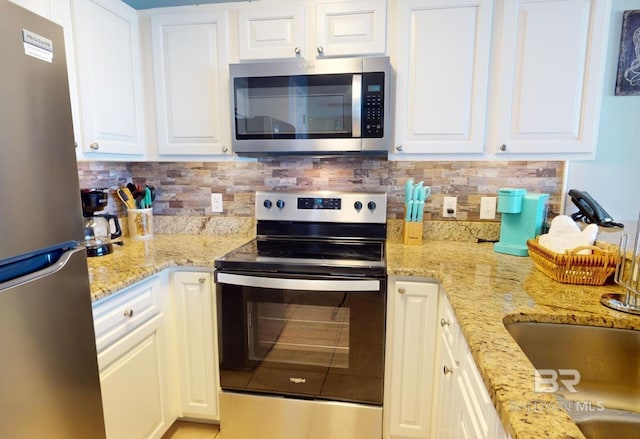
267,204
280,204
357,205
371,205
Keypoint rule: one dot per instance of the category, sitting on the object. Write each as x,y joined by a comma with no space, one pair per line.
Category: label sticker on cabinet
37,46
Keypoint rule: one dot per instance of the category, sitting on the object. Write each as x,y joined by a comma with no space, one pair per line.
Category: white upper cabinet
441,58
110,77
311,29
271,32
548,79
351,28
496,79
191,82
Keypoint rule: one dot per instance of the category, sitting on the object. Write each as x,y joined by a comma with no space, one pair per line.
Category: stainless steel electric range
302,319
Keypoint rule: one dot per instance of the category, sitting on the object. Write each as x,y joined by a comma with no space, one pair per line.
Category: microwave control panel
373,104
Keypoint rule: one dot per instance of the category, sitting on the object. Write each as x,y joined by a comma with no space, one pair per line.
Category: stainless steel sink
609,424
607,359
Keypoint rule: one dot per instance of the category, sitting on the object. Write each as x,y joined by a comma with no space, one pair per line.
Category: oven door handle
341,285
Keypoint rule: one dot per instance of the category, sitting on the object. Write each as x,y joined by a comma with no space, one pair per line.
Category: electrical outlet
488,207
449,208
216,203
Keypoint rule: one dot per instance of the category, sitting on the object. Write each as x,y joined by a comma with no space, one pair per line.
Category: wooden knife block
411,232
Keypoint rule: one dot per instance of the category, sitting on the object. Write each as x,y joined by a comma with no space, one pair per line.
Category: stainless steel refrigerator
48,367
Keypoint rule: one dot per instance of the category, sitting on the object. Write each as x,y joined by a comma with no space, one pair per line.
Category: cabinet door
351,28
271,32
446,405
109,73
133,384
412,310
550,61
191,79
197,345
441,59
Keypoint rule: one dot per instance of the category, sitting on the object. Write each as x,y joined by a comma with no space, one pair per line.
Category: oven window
313,335
293,107
326,344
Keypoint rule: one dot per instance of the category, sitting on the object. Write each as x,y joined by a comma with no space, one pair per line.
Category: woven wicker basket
572,268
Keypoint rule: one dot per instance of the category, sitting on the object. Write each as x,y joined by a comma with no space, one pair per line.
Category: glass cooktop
328,256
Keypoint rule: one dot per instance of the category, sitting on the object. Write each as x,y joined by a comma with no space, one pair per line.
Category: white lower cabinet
462,408
412,308
196,345
134,366
157,354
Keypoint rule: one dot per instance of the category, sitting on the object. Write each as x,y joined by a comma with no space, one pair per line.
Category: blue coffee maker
523,218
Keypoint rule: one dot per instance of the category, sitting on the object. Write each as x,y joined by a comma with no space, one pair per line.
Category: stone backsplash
185,188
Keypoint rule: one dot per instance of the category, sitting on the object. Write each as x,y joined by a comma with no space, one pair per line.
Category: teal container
510,200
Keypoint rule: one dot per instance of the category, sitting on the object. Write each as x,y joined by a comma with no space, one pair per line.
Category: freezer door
49,369
39,190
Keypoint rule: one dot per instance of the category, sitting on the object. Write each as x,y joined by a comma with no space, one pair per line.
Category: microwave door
356,106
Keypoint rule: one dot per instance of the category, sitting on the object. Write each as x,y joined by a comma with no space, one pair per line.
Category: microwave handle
356,105
340,285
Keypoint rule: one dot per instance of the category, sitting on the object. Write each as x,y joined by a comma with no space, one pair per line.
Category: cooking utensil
126,197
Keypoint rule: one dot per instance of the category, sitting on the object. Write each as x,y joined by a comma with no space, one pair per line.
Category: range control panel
322,206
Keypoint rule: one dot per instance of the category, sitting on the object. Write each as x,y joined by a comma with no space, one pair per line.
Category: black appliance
98,235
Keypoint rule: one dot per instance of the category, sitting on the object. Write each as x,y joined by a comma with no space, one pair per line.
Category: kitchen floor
192,430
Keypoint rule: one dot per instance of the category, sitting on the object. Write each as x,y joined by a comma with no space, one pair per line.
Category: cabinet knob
320,50
444,322
94,146
128,313
503,147
401,290
225,149
297,50
399,148
447,370
202,280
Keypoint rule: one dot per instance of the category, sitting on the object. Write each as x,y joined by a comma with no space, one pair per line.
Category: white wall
613,178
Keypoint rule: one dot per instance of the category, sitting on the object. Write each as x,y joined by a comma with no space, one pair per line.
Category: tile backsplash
185,188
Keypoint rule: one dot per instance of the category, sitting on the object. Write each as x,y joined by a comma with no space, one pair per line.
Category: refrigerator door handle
54,267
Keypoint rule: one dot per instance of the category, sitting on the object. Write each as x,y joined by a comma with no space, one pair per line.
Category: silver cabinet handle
94,146
297,50
320,50
399,148
202,280
401,290
444,322
128,313
447,370
225,149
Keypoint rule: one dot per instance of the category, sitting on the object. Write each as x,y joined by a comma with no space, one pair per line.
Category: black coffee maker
98,238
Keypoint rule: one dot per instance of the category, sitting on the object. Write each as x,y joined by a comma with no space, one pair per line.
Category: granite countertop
139,259
485,289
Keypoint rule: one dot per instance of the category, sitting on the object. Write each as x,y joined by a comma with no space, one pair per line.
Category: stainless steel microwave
323,106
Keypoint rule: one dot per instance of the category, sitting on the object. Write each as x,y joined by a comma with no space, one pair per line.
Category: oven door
311,337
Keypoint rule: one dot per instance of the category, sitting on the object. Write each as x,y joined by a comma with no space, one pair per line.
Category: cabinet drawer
119,314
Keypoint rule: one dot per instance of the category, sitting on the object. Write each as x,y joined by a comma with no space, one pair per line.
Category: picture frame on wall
628,78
